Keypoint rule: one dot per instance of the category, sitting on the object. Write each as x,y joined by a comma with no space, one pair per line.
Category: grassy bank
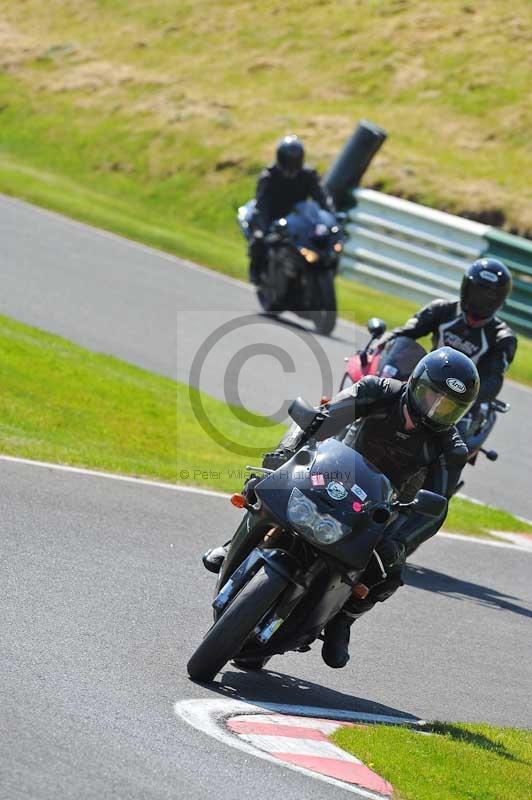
459,761
474,519
62,403
185,101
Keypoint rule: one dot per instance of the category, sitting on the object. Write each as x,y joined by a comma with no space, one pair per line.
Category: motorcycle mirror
376,326
429,504
302,413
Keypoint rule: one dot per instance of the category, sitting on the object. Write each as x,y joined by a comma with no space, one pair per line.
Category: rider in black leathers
407,432
279,188
471,325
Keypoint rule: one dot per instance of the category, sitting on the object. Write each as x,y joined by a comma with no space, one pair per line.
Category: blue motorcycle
303,250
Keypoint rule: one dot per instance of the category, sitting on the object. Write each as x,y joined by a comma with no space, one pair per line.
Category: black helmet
485,286
290,155
442,388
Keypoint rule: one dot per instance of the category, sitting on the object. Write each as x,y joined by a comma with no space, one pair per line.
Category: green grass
64,404
154,120
199,92
475,519
458,762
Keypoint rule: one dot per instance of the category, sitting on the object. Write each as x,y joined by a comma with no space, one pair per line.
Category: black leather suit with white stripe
490,347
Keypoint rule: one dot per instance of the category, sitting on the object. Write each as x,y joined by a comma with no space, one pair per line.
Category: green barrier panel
516,253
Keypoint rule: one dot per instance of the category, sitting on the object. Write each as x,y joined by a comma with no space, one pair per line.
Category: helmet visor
483,301
290,160
437,407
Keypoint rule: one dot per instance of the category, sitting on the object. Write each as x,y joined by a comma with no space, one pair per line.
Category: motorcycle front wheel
324,317
225,639
265,303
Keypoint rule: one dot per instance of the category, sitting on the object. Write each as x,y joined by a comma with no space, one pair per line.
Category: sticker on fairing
359,491
336,490
455,385
317,480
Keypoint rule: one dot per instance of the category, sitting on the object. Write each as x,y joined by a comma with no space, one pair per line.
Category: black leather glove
277,458
381,343
249,489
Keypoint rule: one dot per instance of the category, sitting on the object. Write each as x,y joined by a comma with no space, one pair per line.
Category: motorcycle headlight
309,255
303,514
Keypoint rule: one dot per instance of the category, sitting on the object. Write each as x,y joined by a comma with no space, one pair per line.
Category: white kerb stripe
296,746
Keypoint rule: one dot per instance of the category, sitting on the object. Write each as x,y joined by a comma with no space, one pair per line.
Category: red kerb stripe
341,770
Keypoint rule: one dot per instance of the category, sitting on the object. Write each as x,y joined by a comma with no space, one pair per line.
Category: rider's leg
403,537
337,633
257,259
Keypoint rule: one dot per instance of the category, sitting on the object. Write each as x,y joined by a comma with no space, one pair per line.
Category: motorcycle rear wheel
225,639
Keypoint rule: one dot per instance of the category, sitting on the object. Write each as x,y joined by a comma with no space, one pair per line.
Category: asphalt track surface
104,600
151,309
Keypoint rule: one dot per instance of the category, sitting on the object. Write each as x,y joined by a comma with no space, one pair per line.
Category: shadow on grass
439,582
473,738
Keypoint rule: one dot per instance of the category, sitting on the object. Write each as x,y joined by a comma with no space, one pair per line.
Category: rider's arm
365,397
493,366
424,321
318,192
442,477
444,473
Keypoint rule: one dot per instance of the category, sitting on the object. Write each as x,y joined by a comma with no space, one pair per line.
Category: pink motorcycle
395,360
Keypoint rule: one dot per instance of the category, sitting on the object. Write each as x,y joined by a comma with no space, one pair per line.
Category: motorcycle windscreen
303,221
399,358
337,482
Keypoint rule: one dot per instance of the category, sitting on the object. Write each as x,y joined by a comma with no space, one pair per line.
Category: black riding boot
214,558
335,650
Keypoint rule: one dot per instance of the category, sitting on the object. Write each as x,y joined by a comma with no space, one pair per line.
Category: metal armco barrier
516,253
413,251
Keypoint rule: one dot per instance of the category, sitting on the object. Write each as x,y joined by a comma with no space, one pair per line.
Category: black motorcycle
302,259
300,551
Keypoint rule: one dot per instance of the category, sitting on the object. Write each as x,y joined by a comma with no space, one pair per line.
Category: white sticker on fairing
455,385
488,276
359,491
336,490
